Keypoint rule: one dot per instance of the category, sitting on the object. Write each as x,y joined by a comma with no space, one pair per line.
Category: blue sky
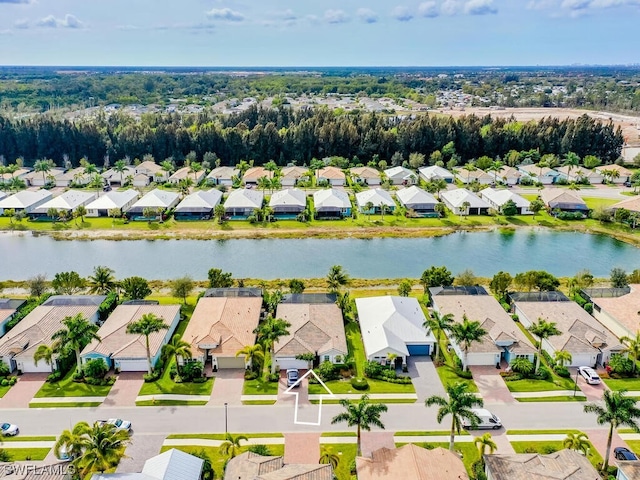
313,33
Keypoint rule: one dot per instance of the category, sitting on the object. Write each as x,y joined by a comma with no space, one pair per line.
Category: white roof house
120,200
223,175
401,175
68,201
416,199
392,324
497,199
243,202
377,197
455,199
25,200
199,202
435,172
170,465
159,199
290,200
332,200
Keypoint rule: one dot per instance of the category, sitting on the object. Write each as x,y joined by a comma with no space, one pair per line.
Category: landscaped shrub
562,371
544,373
547,449
108,305
570,216
6,457
199,380
55,376
4,382
510,376
153,376
464,373
101,381
620,365
274,377
250,375
359,383
373,369
260,450
191,371
588,307
173,371
328,371
477,469
4,369
78,377
95,368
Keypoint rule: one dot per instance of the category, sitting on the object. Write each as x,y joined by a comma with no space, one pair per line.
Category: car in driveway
9,429
118,423
292,377
623,453
590,375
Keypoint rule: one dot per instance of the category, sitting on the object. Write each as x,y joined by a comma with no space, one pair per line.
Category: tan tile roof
631,469
314,328
632,204
254,173
297,471
6,313
184,172
150,166
509,172
293,172
248,466
226,322
560,195
330,173
365,172
411,462
624,309
624,172
117,343
562,465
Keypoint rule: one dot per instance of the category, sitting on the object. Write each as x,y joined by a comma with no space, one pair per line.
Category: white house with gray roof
69,201
25,201
434,172
288,202
198,205
463,202
498,198
120,200
377,197
422,203
159,200
242,202
401,176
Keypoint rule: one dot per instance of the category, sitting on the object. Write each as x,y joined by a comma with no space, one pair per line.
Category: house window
327,358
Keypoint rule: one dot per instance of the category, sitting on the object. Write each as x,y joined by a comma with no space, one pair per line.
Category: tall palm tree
120,167
195,167
383,209
466,334
495,167
43,166
618,410
46,353
337,278
104,447
562,356
329,457
73,441
269,332
469,167
438,185
231,446
253,354
543,330
459,405
102,281
362,415
485,442
571,160
168,167
577,441
464,208
369,207
632,347
438,324
177,348
219,213
76,334
148,324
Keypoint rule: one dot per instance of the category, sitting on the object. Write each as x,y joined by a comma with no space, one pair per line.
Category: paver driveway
301,448
125,390
227,387
425,378
490,384
22,392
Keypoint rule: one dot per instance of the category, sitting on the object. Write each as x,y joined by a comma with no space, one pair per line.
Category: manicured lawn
64,405
347,453
562,398
594,203
165,385
27,438
221,436
448,376
217,460
169,403
531,385
338,434
356,347
468,450
629,384
21,454
4,390
634,445
428,433
390,400
258,402
259,386
375,386
68,388
546,447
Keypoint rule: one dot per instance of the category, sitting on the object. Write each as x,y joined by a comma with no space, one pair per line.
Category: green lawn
4,390
22,454
429,433
629,384
467,450
355,346
221,436
546,447
375,386
562,398
64,405
532,385
165,385
634,445
68,388
595,203
258,402
347,453
259,386
338,434
27,438
355,401
448,376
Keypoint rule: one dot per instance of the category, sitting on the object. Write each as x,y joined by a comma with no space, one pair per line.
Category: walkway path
425,378
123,393
301,448
67,400
491,385
227,387
173,397
22,392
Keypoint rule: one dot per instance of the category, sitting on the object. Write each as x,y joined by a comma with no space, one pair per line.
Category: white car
9,429
118,423
589,375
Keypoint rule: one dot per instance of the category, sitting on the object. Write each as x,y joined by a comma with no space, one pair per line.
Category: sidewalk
174,397
547,393
68,400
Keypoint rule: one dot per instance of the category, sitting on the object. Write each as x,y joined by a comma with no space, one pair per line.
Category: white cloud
367,15
450,7
576,4
287,14
336,16
480,7
428,9
21,24
402,14
225,14
69,21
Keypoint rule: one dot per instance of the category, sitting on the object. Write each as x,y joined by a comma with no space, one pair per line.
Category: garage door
419,349
29,366
286,363
133,365
230,362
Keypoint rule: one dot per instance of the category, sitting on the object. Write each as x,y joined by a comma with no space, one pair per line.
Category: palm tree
438,324
362,414
148,324
53,214
264,183
184,185
391,358
329,457
459,406
464,208
253,354
73,441
168,167
618,410
495,167
231,446
43,166
438,185
383,209
465,334
571,160
177,348
369,207
46,353
269,333
543,330
120,167
562,357
219,213
78,332
102,281
485,442
577,441
336,279
632,347
104,447
469,167
522,365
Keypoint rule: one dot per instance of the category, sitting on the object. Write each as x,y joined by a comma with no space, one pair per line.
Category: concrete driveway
227,387
125,390
22,392
491,385
425,378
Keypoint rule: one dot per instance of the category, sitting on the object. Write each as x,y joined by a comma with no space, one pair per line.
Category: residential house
241,203
616,308
434,172
170,465
498,198
220,327
8,309
119,178
586,339
198,205
543,175
392,324
504,340
628,470
156,199
120,200
251,466
233,292
333,176
632,204
463,202
401,176
365,176
507,175
288,203
419,202
20,173
580,174
316,328
127,352
19,344
252,175
562,465
411,462
222,176
615,173
477,175
331,204
68,202
377,197
41,179
25,201
152,170
185,173
563,200
76,176
291,175
140,180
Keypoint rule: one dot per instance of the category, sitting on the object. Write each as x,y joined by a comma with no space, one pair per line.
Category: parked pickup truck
118,423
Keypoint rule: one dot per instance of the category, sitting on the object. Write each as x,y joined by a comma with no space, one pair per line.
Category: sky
313,33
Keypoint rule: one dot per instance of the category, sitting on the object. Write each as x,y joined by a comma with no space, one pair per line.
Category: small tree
231,446
37,285
362,415
509,209
485,442
500,283
436,277
522,365
536,206
219,279
219,212
466,278
577,441
182,288
404,289
67,283
296,285
337,278
562,356
135,288
543,330
619,278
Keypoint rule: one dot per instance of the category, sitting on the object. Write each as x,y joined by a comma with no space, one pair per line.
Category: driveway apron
491,385
227,387
425,378
301,448
123,393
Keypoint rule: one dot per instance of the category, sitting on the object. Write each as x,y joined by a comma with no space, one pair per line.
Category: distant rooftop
233,292
471,290
553,296
309,298
74,300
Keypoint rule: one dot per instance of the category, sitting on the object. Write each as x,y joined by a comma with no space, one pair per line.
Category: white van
487,420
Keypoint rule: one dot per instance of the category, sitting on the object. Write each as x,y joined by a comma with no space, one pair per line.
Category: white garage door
137,365
29,366
230,362
286,363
